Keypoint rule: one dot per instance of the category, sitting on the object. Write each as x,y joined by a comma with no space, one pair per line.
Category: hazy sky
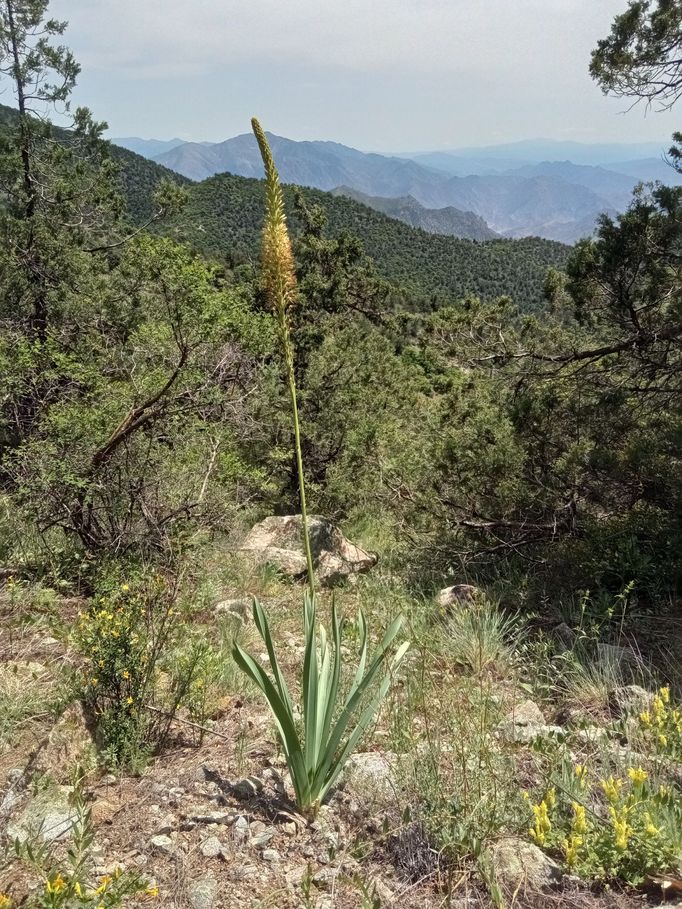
396,75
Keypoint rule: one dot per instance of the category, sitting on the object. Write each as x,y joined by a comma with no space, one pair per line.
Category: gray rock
240,608
622,660
325,877
458,596
202,893
519,865
525,723
48,815
373,774
271,856
264,837
241,829
163,844
629,700
279,541
563,636
211,848
214,817
70,743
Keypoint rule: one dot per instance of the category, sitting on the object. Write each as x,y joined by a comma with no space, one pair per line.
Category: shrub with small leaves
125,632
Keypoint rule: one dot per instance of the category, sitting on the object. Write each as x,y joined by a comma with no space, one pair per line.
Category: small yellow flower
129,700
571,848
152,891
56,884
645,718
611,788
579,818
550,798
94,680
5,901
126,674
663,740
125,588
581,775
664,694
637,775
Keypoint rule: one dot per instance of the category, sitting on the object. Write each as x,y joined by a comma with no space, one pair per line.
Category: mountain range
507,190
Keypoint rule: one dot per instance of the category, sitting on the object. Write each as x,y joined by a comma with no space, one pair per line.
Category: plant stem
291,381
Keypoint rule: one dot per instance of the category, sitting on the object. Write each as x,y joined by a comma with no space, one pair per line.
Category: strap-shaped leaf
261,622
284,721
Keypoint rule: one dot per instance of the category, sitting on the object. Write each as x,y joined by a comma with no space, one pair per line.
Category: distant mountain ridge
449,221
515,197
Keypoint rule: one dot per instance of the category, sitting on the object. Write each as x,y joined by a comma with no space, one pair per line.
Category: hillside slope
449,221
224,216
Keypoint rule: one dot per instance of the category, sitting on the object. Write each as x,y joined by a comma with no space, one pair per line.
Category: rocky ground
209,823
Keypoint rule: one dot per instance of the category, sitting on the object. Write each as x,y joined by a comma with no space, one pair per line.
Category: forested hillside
223,218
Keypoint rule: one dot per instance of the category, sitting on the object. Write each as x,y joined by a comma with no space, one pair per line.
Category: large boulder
279,542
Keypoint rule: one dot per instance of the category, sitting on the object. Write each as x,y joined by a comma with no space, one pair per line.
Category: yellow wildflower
126,674
129,700
579,824
571,848
542,825
152,891
581,775
645,718
94,680
663,741
637,775
5,901
103,884
55,885
125,588
664,694
622,830
550,798
611,788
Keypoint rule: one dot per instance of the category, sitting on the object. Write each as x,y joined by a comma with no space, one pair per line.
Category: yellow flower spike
550,798
579,824
663,741
611,788
645,718
665,694
637,775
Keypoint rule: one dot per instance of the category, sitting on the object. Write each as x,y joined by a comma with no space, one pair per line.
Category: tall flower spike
280,287
278,259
